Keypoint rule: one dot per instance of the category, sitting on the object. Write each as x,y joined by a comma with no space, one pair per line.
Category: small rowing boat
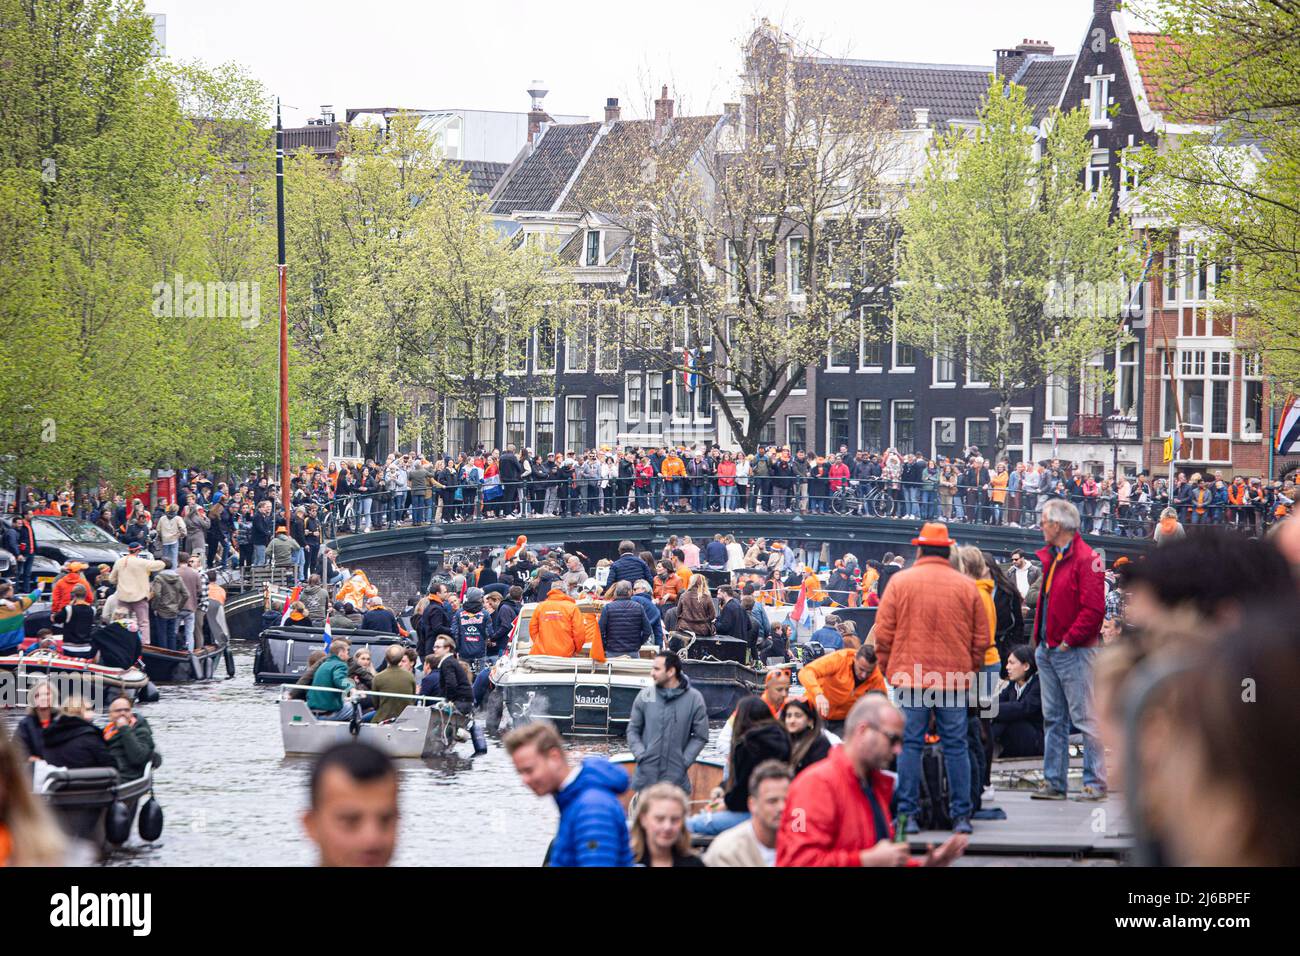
429,727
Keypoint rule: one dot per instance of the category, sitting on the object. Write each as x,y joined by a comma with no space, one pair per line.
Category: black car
72,539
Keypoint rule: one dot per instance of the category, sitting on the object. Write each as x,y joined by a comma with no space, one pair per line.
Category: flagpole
282,268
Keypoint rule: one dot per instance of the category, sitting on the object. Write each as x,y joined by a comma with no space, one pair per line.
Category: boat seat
67,780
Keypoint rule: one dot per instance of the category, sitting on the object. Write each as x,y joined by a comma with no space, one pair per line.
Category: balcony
1112,428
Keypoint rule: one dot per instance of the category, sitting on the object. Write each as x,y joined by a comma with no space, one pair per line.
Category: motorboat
96,805
251,611
282,652
52,663
429,727
718,668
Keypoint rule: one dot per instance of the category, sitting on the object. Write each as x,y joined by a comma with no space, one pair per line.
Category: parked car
72,539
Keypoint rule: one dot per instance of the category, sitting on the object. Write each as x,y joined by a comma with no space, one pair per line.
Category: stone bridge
401,560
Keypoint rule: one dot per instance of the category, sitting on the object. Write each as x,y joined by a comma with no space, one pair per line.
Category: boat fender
117,823
230,663
148,694
151,820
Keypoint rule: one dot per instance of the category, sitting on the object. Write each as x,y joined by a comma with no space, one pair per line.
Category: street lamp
1118,428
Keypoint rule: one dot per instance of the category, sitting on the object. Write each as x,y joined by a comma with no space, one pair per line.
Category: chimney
611,109
1040,47
922,115
327,115
537,115
663,111
1008,62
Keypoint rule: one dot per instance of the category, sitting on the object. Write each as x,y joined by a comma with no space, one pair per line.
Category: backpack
933,800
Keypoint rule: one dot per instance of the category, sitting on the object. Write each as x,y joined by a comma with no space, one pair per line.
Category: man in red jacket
837,810
1067,626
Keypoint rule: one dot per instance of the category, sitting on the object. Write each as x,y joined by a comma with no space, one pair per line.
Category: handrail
286,689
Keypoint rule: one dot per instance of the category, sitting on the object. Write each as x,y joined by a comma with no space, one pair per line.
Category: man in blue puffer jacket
593,824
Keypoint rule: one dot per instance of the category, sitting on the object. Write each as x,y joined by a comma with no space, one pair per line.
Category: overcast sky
484,55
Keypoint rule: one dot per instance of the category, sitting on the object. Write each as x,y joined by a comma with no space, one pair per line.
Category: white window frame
862,345
640,410
792,418
970,367
698,398
605,325
484,401
515,403
893,422
830,446
613,442
651,416
894,367
510,345
1060,384
880,407
681,391
581,316
1092,398
966,423
570,444
936,359
1252,370
1121,408
600,248
1099,100
536,419
1169,274
934,435
794,276
840,320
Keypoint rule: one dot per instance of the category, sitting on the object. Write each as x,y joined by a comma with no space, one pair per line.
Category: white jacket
131,575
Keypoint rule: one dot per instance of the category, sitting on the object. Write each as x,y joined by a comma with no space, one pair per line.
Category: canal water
231,798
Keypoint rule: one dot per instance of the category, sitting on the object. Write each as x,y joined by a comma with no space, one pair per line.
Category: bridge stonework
401,560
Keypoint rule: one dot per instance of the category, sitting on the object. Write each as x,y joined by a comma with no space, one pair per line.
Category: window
577,340
870,434
974,374
487,422
703,401
1252,396
796,433
517,422
1169,268
1090,387
1098,167
841,343
1058,397
1204,386
904,423
979,432
607,420
766,267
871,346
794,265
1097,102
575,424
839,263
1193,287
681,398
733,269
1126,380
944,366
654,396
944,437
457,428
837,425
544,346
767,434
516,355
593,247
607,339
681,329
1221,375
543,426
904,355
633,391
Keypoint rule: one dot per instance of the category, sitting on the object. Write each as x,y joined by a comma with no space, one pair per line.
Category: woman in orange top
998,491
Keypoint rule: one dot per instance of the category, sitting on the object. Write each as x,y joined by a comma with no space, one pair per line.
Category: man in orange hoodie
838,680
61,593
558,628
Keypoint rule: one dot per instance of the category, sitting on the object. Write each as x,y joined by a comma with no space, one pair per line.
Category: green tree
1008,258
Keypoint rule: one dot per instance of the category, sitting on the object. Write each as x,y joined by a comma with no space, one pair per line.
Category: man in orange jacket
836,681
558,628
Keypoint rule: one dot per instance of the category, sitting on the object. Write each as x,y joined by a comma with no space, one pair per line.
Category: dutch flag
689,378
327,634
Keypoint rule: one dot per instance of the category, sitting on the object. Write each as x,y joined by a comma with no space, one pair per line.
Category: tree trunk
1004,428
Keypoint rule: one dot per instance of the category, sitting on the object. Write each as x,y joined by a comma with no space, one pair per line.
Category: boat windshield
71,529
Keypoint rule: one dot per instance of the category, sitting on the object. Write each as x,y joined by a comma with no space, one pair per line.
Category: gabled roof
624,154
1152,51
482,174
948,91
1043,78
538,181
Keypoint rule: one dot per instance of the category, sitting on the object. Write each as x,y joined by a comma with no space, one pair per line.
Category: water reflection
231,798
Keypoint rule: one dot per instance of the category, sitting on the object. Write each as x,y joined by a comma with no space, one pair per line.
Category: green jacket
131,749
392,680
279,553
332,672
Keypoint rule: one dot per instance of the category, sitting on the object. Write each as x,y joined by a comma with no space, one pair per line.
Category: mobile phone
900,830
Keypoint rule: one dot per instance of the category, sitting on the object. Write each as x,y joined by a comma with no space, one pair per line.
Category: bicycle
852,499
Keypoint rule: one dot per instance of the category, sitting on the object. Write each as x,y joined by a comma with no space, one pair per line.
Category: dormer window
593,247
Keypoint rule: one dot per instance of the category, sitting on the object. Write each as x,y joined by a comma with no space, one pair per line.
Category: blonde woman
695,609
43,710
28,834
658,831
